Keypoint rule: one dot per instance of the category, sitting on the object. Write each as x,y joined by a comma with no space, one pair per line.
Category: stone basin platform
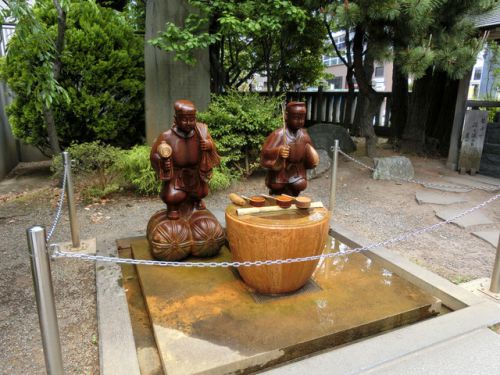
207,321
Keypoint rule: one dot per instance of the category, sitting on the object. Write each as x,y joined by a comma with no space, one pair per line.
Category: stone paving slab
435,185
431,197
467,182
490,236
474,218
486,180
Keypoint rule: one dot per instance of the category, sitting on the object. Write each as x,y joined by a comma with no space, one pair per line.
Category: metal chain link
420,182
403,237
356,161
59,204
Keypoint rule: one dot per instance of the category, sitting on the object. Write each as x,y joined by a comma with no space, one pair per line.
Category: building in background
382,73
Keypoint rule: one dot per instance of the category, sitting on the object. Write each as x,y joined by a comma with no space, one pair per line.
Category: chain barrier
57,217
424,183
403,237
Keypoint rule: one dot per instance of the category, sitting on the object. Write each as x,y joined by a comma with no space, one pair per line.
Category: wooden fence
330,107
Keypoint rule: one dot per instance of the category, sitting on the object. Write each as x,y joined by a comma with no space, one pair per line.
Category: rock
324,136
391,167
324,165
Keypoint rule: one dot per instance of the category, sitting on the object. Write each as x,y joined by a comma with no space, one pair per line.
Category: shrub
100,170
102,78
221,179
239,123
135,168
92,167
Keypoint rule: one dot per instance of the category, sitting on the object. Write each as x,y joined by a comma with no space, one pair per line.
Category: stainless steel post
73,219
333,179
44,293
495,277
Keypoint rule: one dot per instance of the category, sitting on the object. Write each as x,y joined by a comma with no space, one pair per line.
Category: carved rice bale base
199,235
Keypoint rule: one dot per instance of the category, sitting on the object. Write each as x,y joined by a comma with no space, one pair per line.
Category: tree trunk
363,70
349,100
413,139
438,127
217,74
400,97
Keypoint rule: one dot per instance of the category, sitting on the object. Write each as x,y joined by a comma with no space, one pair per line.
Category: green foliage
100,170
246,37
100,93
134,167
239,123
92,168
419,33
183,41
221,179
250,18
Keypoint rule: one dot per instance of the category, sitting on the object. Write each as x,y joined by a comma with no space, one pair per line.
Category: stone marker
324,165
474,218
391,167
490,236
431,197
324,136
473,134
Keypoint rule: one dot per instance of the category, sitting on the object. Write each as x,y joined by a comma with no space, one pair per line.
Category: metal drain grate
309,287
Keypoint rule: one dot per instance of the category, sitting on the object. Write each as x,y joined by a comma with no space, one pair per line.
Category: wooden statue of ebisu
183,158
288,152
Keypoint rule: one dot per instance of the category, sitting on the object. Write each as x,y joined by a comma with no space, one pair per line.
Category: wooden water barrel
277,235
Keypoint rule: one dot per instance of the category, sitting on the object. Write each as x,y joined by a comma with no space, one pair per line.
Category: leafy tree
439,55
424,39
277,38
48,70
99,93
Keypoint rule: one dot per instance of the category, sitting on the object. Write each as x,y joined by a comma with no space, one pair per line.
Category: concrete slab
474,353
87,246
490,236
442,186
147,352
391,346
453,296
465,181
206,320
117,351
474,218
431,197
481,288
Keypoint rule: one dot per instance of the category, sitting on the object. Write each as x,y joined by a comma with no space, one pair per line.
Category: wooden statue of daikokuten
183,158
288,152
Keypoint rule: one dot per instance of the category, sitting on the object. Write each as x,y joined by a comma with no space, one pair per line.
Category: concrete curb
117,350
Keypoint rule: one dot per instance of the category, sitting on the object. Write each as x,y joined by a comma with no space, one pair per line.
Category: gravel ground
375,209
